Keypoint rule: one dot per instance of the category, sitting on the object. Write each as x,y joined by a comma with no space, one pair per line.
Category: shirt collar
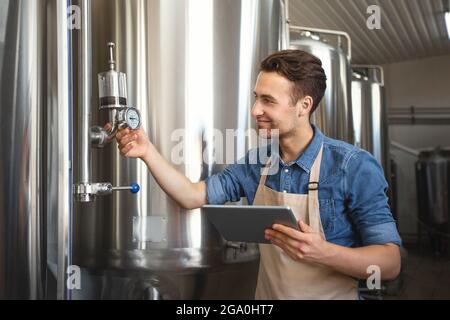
307,158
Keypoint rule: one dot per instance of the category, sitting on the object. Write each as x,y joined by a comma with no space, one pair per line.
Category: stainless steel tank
432,172
191,67
334,114
433,182
35,173
370,119
369,112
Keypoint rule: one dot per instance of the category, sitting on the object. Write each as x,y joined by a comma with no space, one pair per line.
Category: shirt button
286,170
285,191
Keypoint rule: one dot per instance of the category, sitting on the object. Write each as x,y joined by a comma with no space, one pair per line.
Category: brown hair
303,69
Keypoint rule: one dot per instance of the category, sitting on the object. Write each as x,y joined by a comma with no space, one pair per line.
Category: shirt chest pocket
327,214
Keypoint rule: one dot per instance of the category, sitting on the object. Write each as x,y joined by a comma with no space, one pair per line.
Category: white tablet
248,223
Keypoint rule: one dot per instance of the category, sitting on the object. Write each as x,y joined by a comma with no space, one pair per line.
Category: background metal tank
334,114
370,120
369,112
433,182
191,67
35,173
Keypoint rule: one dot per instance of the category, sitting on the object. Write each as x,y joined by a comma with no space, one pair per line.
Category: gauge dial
132,118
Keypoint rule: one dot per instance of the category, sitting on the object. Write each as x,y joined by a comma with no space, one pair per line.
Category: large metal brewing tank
369,112
191,67
433,182
432,174
35,177
334,114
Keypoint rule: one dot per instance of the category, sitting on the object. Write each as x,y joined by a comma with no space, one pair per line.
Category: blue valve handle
135,187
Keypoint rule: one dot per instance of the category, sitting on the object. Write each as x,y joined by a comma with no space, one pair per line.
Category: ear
305,105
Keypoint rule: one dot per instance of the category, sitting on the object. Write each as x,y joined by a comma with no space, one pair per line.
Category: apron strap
265,172
313,194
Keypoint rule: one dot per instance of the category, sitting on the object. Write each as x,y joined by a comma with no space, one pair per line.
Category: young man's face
273,108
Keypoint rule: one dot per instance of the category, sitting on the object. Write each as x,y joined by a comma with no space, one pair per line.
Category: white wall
420,83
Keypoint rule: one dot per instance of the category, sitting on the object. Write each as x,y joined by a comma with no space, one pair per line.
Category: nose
257,110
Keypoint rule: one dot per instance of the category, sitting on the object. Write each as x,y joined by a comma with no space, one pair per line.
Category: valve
103,188
134,188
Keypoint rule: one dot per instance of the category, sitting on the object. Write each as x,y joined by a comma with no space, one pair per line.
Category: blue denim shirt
352,189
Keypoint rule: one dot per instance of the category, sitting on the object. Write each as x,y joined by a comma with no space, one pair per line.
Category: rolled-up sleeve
368,206
226,186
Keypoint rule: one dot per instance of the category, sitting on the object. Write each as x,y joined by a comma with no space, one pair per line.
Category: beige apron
279,276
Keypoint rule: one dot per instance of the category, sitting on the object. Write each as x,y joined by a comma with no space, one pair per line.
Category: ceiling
410,29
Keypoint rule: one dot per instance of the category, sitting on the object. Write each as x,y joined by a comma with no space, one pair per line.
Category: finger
119,134
122,132
285,239
107,126
296,252
305,228
291,252
281,245
139,131
127,139
113,135
291,232
124,151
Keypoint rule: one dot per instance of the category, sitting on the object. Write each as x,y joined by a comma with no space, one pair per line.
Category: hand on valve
132,143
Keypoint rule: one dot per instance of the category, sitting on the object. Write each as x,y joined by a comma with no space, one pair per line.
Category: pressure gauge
132,118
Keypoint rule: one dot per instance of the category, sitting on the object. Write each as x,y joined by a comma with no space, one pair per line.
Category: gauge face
133,119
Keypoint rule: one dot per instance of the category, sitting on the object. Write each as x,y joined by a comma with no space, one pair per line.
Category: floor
424,276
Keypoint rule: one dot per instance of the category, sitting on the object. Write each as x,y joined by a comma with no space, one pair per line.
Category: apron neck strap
315,171
313,194
265,171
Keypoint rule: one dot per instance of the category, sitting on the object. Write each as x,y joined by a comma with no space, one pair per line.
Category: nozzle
111,62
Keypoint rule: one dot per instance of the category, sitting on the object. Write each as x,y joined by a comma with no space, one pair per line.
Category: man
336,191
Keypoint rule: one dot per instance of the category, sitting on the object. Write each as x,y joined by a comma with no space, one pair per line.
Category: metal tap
113,98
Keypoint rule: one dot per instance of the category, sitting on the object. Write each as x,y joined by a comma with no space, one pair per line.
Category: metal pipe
419,120
419,115
85,96
420,110
285,24
371,66
326,31
64,208
405,148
